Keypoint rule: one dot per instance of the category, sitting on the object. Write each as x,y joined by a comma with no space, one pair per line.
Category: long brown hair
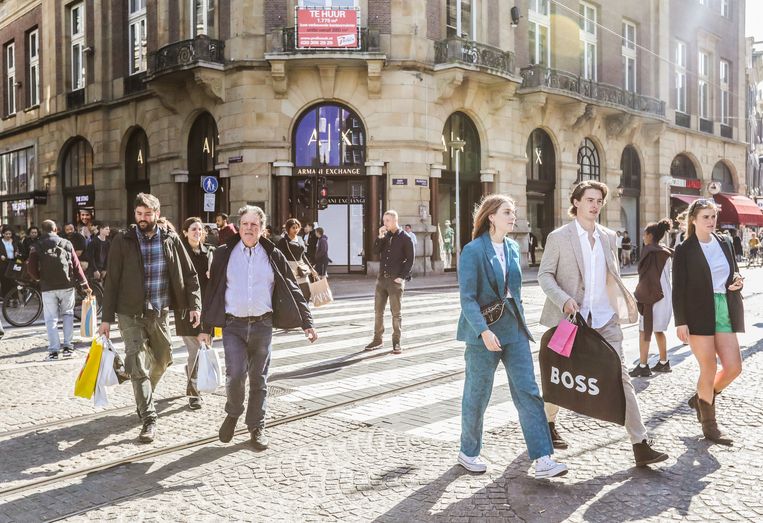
693,211
487,207
187,225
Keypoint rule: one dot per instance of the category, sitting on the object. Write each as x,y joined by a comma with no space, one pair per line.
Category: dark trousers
322,266
386,288
247,347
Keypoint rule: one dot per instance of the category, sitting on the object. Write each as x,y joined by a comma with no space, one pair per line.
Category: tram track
198,442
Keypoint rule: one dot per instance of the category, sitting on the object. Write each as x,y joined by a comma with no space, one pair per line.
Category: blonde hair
488,206
693,211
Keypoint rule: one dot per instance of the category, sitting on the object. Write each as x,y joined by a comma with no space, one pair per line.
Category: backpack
55,264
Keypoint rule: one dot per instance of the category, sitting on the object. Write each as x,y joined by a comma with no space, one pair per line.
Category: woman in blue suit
489,274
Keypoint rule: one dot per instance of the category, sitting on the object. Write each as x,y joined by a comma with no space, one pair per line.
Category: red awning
737,209
686,198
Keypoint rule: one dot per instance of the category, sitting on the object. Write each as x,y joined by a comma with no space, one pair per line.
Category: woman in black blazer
708,309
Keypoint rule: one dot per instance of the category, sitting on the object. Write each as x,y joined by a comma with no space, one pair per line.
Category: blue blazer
479,274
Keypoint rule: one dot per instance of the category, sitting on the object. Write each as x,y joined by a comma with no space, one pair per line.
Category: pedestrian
490,275
54,263
681,234
294,249
532,244
448,235
225,230
311,241
627,245
619,244
251,290
322,259
212,236
10,249
77,240
754,245
396,251
85,223
201,255
148,273
707,303
653,295
579,273
32,235
97,252
738,249
412,235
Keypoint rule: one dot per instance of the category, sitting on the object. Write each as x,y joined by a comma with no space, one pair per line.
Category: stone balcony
201,51
460,51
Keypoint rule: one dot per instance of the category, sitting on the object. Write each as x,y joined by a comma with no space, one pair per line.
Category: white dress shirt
595,299
250,282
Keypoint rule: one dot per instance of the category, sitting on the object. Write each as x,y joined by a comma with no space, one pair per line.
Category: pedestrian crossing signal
323,195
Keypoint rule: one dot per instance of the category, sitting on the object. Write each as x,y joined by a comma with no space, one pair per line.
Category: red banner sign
327,28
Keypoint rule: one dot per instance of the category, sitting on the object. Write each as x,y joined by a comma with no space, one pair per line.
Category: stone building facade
142,95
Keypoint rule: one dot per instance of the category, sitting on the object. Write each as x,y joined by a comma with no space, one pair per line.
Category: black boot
646,455
556,439
709,425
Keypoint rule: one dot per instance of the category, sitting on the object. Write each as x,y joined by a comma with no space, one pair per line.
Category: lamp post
457,146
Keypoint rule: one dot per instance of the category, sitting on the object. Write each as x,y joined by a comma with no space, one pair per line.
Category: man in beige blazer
579,272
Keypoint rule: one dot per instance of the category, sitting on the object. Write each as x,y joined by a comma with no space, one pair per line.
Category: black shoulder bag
492,312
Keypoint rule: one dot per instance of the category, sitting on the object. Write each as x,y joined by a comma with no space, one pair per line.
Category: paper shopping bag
85,384
320,292
564,337
89,324
208,376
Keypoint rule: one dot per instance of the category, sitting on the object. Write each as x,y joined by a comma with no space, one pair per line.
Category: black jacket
123,291
290,309
396,252
96,260
200,262
693,301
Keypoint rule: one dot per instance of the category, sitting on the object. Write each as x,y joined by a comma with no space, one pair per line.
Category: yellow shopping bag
218,332
84,387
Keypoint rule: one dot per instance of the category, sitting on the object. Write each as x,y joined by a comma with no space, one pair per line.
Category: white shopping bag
107,377
209,376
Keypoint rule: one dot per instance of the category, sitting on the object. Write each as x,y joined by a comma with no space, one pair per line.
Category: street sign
209,202
210,184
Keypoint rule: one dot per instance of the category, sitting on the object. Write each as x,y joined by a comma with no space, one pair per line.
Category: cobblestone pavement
389,458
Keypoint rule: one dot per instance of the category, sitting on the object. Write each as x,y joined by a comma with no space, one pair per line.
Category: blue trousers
480,371
247,349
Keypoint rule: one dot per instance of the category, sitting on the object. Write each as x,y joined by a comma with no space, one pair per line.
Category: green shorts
722,320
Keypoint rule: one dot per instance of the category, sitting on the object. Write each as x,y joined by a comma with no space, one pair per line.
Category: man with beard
148,273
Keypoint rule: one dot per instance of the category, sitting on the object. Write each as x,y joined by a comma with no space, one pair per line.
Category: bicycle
22,305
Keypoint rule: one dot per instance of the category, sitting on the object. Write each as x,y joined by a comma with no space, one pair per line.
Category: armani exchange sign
330,171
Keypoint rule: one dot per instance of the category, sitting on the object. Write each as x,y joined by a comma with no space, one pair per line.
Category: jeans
612,332
58,304
478,386
147,342
387,288
247,347
192,366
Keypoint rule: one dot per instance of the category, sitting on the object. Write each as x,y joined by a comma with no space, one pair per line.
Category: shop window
329,136
541,158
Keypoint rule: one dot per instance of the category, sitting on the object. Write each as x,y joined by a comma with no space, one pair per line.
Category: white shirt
595,299
412,236
9,249
719,265
501,253
618,241
250,282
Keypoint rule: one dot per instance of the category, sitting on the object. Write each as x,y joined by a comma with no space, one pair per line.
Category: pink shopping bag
564,337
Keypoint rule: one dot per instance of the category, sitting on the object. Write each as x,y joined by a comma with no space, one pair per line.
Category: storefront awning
686,198
737,209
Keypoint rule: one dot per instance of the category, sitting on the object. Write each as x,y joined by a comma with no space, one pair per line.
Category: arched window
460,127
630,165
77,178
588,161
136,168
721,173
202,145
541,158
682,167
329,135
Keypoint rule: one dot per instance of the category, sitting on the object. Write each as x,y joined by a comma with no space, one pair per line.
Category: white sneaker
545,467
475,464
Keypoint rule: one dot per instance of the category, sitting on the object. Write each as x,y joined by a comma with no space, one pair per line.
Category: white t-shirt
501,253
719,265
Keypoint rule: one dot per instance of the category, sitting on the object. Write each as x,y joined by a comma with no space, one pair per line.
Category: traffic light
305,193
323,194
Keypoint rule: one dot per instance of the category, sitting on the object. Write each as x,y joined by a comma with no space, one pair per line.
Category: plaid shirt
156,281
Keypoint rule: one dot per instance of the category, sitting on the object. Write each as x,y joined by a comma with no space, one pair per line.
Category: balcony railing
539,76
683,119
706,126
459,50
727,131
284,40
186,53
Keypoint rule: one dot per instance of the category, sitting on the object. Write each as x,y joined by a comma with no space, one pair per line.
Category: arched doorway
136,169
589,166
330,186
683,171
541,184
77,178
202,158
630,193
722,174
459,128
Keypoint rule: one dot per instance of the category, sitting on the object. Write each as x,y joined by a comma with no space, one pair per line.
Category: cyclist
53,261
